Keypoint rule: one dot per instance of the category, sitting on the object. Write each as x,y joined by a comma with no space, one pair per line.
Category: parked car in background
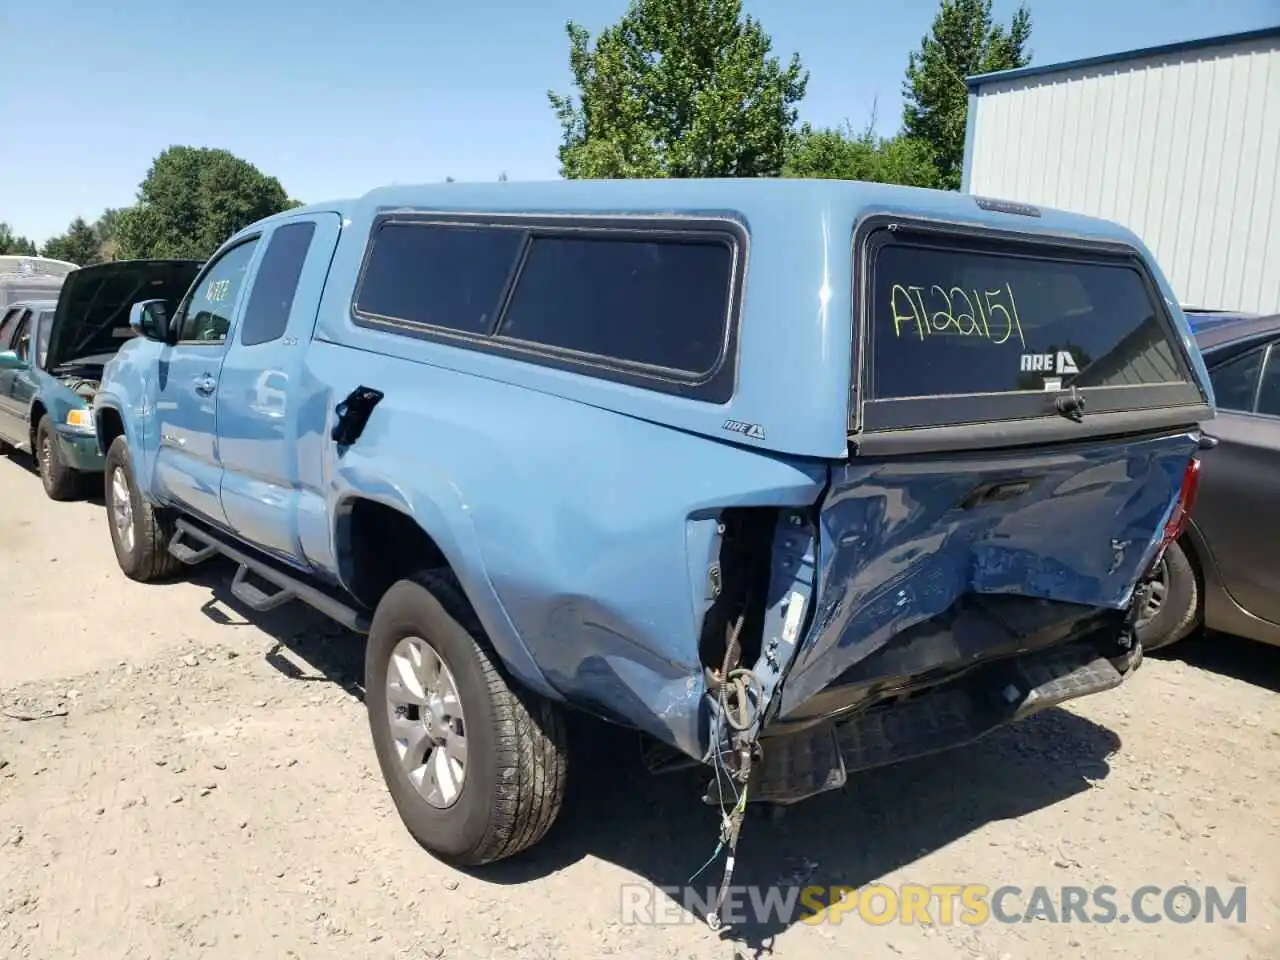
51,357
1204,319
585,444
24,278
1224,572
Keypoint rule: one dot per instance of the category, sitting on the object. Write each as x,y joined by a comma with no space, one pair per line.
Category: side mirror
150,319
11,361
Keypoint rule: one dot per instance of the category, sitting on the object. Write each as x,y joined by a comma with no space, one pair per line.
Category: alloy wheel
122,508
427,728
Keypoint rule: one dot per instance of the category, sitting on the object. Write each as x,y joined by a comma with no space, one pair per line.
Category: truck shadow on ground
657,829
1245,660
307,646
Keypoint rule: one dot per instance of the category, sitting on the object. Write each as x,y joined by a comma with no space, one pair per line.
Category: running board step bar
193,545
189,554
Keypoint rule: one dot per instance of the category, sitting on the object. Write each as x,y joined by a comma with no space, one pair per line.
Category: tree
193,199
11,244
964,41
107,227
678,88
844,154
79,245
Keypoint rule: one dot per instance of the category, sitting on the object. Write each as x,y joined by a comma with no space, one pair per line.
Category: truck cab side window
267,313
206,316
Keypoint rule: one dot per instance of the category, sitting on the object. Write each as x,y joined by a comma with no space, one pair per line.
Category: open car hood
92,318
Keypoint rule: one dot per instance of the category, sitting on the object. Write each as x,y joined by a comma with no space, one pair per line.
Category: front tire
60,481
475,767
140,532
1174,609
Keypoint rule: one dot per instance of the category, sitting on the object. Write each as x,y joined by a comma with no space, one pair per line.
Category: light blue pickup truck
795,477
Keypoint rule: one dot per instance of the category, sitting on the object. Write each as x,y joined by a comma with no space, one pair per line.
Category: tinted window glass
21,343
45,324
660,303
267,312
449,277
1236,382
208,312
950,321
1269,391
7,325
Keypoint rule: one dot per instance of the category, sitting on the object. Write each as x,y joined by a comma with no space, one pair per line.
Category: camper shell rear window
963,327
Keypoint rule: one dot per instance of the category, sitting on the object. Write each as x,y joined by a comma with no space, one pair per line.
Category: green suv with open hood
52,354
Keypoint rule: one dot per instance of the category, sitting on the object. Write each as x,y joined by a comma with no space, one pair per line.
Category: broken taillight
1181,515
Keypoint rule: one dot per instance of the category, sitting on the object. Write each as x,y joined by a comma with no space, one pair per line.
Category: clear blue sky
337,98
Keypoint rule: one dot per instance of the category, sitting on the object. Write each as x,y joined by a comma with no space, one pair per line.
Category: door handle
205,385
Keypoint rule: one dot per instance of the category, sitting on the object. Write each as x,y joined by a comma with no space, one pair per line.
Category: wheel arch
109,424
380,538
34,416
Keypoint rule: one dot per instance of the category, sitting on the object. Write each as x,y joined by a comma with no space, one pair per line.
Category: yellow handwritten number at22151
983,315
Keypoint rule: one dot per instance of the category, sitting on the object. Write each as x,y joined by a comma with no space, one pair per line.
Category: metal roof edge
1200,43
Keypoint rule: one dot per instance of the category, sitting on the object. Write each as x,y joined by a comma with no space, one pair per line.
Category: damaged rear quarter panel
606,580
592,531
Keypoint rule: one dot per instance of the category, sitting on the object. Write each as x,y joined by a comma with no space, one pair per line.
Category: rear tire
60,481
508,791
140,532
1177,613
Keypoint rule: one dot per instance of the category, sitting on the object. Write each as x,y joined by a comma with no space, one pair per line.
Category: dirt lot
194,783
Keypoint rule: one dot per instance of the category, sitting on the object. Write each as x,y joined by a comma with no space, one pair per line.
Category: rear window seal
965,414
716,385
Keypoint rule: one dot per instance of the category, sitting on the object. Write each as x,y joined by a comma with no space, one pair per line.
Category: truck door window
267,313
206,316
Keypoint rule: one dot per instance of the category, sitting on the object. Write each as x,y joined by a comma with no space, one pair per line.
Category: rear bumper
819,757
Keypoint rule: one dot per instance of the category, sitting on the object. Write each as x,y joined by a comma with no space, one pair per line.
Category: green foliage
13,245
193,199
79,245
964,41
106,229
844,154
677,88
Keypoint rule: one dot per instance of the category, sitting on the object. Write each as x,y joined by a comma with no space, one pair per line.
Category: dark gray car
1224,572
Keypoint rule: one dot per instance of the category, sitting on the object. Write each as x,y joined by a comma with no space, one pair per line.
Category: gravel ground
180,780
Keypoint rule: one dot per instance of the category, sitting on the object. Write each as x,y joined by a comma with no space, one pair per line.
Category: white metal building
1180,143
